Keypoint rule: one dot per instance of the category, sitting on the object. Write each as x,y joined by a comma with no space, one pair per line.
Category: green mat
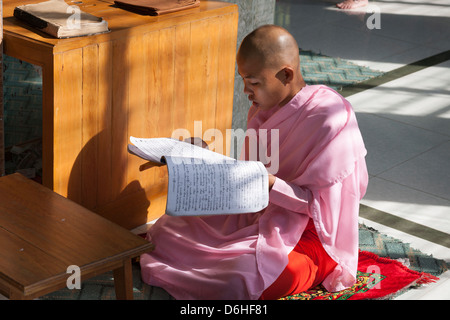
334,72
102,286
386,246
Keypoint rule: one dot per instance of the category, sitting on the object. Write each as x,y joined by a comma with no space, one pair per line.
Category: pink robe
322,174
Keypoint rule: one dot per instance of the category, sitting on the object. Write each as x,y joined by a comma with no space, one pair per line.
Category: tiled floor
405,122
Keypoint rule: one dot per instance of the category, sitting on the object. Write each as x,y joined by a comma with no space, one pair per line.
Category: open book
203,182
57,18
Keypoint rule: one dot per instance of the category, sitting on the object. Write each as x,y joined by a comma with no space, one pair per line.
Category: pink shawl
322,174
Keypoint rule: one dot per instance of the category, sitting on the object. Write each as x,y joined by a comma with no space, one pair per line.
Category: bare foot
352,4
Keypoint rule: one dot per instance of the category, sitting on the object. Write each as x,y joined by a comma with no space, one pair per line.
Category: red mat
377,278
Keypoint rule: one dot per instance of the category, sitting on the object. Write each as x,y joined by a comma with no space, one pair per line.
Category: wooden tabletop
119,21
42,233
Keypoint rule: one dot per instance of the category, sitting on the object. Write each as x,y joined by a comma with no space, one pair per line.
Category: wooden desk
43,233
146,78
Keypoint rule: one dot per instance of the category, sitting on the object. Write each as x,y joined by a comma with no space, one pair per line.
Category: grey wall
252,14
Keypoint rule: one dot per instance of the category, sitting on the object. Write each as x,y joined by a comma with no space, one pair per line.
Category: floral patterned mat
365,282
377,278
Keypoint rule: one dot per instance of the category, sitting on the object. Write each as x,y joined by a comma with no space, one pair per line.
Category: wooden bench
43,233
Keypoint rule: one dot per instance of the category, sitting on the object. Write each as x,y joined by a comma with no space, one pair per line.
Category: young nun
308,234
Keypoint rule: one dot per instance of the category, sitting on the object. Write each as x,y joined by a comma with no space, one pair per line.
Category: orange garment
308,266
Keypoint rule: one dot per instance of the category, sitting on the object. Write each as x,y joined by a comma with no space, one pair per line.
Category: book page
154,149
209,188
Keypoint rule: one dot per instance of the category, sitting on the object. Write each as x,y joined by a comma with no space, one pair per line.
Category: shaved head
268,61
273,46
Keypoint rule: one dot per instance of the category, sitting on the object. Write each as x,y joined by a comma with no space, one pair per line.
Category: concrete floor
405,122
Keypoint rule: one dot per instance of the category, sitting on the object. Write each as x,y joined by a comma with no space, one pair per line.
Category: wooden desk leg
123,281
13,295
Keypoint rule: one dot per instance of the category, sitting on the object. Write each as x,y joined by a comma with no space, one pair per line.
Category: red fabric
397,276
378,278
308,265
